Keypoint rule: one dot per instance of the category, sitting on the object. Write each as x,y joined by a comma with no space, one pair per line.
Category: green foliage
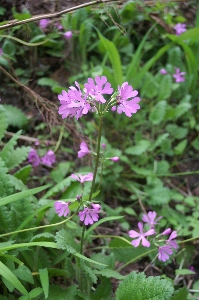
15,116
4,121
144,288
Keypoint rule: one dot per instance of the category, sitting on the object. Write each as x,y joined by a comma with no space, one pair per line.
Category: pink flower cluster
77,102
165,250
178,76
180,28
48,159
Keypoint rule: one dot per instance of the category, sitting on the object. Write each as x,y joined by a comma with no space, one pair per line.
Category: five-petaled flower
141,236
83,178
100,88
150,218
179,76
61,208
84,150
127,100
180,28
90,215
164,252
33,157
49,158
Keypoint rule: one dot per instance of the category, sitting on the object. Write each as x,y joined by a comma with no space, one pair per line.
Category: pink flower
59,26
171,242
82,178
150,218
33,157
167,231
49,158
90,215
61,208
180,28
179,76
163,71
164,252
140,236
73,103
103,146
100,88
37,142
84,150
115,158
68,35
44,23
129,107
1,51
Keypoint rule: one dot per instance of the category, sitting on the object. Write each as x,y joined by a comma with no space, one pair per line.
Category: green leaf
43,274
110,274
165,88
184,272
149,87
4,121
10,277
157,113
176,131
45,81
15,116
24,273
20,195
30,244
180,147
139,148
142,288
66,241
23,173
88,259
181,109
181,294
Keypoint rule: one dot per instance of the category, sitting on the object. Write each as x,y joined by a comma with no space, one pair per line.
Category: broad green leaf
24,273
184,272
139,148
180,294
176,131
45,81
165,88
9,276
157,113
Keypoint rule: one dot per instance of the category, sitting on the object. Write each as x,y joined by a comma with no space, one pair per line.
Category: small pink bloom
179,76
100,88
68,35
141,236
115,158
33,157
82,178
44,23
1,51
167,231
49,158
180,28
127,100
83,150
59,26
171,241
164,252
61,208
103,146
90,215
37,143
150,218
163,71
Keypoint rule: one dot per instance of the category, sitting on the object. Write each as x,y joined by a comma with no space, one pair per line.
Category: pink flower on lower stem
33,157
61,208
84,150
127,100
150,218
179,76
115,158
164,252
68,34
90,215
49,158
141,236
163,72
82,178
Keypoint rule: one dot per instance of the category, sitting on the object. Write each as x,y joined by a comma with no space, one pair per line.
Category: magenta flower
180,28
150,218
171,241
33,157
103,146
82,178
49,158
1,51
59,26
73,103
84,150
61,208
166,231
68,35
44,23
37,142
90,215
100,88
164,252
140,236
127,100
163,71
179,76
115,158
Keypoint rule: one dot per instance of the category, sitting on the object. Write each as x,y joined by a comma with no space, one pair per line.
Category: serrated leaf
66,241
181,109
15,116
142,288
110,274
4,121
165,88
157,113
149,87
176,131
139,148
181,294
180,147
161,138
45,236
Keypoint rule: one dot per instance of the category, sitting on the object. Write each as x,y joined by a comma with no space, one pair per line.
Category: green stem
97,157
60,138
82,239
